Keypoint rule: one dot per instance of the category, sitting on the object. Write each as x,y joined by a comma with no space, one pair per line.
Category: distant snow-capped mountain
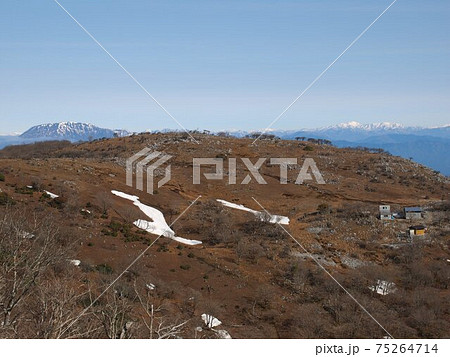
354,131
71,131
428,146
368,127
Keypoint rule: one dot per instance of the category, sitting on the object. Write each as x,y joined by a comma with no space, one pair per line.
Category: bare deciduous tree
29,246
57,310
153,318
105,201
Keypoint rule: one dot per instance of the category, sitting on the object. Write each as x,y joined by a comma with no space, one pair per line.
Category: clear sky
229,64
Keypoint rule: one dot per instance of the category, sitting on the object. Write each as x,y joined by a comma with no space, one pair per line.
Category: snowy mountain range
71,131
354,131
428,146
374,126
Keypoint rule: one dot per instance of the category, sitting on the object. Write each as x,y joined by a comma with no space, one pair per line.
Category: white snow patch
29,186
150,286
85,210
210,321
187,241
27,235
383,287
261,215
158,225
52,195
75,262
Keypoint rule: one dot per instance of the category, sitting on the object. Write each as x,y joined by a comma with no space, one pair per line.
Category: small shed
412,212
417,230
385,212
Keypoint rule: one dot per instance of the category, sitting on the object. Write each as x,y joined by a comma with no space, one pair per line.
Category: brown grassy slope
246,270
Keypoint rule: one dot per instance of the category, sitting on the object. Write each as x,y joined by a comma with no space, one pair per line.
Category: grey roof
413,209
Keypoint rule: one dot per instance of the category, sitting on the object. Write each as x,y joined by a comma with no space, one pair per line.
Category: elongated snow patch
158,224
52,195
261,215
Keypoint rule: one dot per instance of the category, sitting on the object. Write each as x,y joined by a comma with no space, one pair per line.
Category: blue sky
223,64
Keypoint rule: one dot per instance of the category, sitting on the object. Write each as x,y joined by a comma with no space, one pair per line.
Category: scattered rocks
352,262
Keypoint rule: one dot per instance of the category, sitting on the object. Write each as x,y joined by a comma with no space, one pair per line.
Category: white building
385,212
